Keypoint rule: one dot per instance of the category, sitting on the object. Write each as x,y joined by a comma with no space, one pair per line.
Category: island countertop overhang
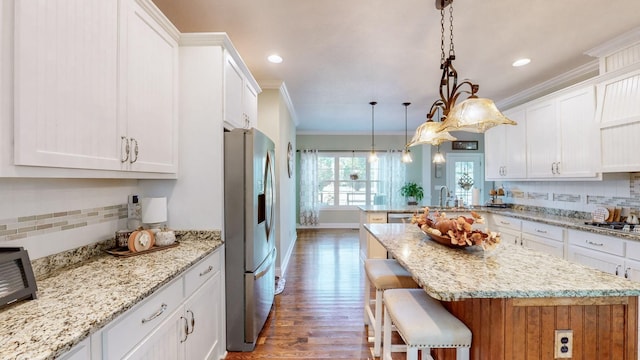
507,272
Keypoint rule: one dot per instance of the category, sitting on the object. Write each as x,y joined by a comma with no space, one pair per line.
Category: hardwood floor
319,314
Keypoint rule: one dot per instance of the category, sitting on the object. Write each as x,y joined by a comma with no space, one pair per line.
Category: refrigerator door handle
266,266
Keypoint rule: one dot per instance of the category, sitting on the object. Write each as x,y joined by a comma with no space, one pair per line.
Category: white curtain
392,177
309,187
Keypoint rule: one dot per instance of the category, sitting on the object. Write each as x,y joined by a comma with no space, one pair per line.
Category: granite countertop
78,300
575,222
509,271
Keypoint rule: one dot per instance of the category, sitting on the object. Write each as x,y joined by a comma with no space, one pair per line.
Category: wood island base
524,328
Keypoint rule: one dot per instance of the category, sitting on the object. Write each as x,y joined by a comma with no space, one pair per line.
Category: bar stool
423,323
383,274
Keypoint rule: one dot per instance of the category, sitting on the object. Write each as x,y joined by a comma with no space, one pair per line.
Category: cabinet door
580,143
542,140
618,116
250,105
205,308
81,351
495,145
233,91
547,246
515,152
595,259
66,84
375,249
163,343
150,83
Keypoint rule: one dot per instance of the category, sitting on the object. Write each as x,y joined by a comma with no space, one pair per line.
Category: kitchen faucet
444,187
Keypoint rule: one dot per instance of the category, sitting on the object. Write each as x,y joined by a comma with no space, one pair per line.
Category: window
347,179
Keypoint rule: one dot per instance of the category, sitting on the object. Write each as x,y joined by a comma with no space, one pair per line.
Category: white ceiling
341,54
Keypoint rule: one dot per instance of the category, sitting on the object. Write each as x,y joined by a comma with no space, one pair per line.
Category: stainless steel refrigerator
249,204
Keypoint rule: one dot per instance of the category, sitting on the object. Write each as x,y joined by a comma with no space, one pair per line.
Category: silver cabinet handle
193,322
594,243
505,222
618,270
558,168
123,139
135,150
186,329
163,307
206,271
541,231
626,272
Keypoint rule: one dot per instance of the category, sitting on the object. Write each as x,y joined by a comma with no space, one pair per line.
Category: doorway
465,172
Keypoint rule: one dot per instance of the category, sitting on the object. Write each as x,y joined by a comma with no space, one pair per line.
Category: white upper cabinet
579,142
505,149
543,137
619,119
240,97
95,86
149,93
66,84
562,136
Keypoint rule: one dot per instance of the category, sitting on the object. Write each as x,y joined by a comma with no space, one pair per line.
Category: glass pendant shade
406,156
373,157
438,158
430,133
475,115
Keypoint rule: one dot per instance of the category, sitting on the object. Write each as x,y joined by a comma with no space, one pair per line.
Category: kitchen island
513,299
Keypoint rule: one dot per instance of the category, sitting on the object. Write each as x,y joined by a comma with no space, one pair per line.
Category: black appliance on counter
17,281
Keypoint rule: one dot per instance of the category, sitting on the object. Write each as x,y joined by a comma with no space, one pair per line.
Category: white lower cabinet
510,229
546,238
81,351
370,248
182,320
605,253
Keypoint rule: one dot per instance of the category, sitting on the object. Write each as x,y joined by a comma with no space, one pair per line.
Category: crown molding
282,87
616,44
588,70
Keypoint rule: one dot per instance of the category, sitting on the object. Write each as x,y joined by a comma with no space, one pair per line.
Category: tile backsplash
621,190
38,224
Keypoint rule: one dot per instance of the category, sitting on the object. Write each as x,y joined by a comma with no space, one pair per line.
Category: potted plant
412,192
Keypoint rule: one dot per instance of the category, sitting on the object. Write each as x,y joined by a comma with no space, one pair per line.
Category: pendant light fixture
406,154
373,157
473,114
438,158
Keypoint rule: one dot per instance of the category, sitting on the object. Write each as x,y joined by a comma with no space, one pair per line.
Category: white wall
276,120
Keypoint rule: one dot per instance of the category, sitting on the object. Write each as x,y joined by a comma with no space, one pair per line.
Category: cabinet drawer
135,324
607,244
377,218
544,230
202,271
505,222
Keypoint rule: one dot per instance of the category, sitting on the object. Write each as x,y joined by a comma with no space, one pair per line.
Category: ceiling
341,54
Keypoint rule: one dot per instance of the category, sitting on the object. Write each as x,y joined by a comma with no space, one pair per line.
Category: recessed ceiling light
521,62
275,58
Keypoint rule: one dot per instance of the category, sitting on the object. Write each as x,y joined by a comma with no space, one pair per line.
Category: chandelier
474,114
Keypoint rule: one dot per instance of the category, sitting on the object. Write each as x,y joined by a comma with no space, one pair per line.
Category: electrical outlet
563,344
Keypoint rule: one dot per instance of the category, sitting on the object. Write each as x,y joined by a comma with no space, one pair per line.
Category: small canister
122,238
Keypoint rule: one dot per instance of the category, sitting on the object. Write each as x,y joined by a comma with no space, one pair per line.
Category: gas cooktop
613,225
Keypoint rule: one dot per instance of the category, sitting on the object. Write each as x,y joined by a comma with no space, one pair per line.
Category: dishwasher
399,218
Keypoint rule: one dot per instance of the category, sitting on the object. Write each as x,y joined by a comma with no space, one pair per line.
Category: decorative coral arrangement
456,232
